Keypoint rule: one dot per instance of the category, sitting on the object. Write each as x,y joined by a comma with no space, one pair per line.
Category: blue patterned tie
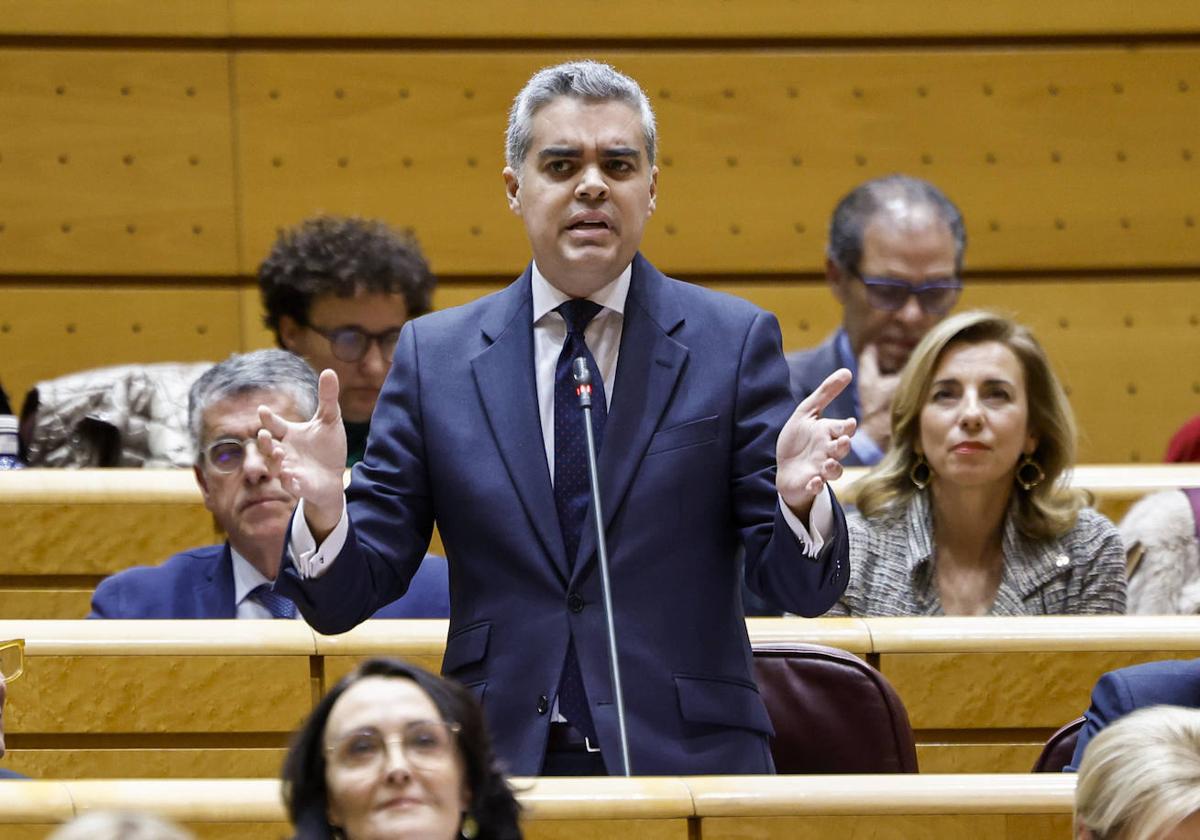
572,487
279,606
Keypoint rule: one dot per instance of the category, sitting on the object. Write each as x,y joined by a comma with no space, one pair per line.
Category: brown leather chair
1060,749
832,712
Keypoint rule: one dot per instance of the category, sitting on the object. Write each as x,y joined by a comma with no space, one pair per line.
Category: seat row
990,807
219,698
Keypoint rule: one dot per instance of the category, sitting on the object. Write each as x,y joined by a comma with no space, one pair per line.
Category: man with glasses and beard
337,291
233,579
894,262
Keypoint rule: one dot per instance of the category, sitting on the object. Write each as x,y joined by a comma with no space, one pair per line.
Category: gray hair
1140,777
115,825
858,208
583,80
244,373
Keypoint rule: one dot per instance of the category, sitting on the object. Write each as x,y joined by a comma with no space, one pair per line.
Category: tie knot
578,313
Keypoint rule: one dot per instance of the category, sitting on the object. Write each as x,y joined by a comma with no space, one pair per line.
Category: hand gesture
810,447
310,456
875,392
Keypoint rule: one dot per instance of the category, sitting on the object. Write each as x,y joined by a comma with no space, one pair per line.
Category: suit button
543,705
575,602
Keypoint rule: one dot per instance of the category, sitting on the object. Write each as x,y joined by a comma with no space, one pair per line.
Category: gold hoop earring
1029,473
470,827
921,473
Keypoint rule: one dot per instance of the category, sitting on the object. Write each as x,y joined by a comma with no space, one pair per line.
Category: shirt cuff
820,523
312,560
867,450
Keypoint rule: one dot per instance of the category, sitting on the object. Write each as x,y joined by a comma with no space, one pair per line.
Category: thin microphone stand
583,388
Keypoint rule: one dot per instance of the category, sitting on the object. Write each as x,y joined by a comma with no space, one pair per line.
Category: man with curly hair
336,292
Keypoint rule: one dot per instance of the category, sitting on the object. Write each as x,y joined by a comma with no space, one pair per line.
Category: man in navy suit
894,263
1171,682
477,428
232,580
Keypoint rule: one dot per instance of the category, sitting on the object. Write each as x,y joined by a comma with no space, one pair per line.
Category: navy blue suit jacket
687,474
199,584
807,369
1172,682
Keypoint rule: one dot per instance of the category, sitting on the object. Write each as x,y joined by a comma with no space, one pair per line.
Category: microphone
583,389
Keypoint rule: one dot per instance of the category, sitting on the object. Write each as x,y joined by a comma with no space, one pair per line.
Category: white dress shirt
603,337
245,579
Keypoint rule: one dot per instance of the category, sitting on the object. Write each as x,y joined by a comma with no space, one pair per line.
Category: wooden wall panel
154,694
115,17
629,19
99,539
1070,158
116,162
52,329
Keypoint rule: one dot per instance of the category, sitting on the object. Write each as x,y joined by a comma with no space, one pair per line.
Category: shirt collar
611,295
245,577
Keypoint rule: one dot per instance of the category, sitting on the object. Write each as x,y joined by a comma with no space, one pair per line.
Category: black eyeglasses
228,454
935,297
350,344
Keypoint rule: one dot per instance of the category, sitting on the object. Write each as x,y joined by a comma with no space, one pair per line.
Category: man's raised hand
310,456
810,447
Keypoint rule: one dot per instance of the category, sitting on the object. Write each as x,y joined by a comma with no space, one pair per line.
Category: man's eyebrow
575,152
560,152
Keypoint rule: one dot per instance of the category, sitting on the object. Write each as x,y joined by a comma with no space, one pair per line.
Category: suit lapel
215,595
648,369
504,376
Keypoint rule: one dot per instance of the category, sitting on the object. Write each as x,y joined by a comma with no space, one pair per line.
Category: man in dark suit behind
232,580
894,262
1172,682
478,428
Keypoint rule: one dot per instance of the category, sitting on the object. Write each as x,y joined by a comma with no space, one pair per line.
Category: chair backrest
832,712
1060,748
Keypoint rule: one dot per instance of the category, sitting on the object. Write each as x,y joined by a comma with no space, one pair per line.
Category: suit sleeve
777,568
1111,699
390,511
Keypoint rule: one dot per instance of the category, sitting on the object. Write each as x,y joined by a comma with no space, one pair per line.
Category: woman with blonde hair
968,513
1140,778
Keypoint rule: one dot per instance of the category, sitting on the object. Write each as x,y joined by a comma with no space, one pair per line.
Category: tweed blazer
892,561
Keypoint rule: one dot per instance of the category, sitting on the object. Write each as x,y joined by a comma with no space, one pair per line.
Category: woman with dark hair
393,752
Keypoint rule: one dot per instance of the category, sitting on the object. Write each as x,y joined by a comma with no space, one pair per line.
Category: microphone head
579,370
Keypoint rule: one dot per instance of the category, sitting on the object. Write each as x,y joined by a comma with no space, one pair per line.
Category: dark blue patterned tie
279,606
572,487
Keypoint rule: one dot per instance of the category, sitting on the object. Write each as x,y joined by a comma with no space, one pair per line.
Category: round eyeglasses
12,659
227,455
426,744
350,344
935,297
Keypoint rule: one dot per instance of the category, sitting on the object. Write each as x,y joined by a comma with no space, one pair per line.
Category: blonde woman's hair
1049,509
1140,777
118,825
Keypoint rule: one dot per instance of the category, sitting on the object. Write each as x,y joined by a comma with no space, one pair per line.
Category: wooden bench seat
218,698
989,807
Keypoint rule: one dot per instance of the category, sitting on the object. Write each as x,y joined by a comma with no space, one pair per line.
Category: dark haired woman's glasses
12,659
936,297
424,743
350,344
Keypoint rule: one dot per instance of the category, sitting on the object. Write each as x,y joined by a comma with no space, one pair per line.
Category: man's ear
653,189
202,481
512,190
289,333
836,278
